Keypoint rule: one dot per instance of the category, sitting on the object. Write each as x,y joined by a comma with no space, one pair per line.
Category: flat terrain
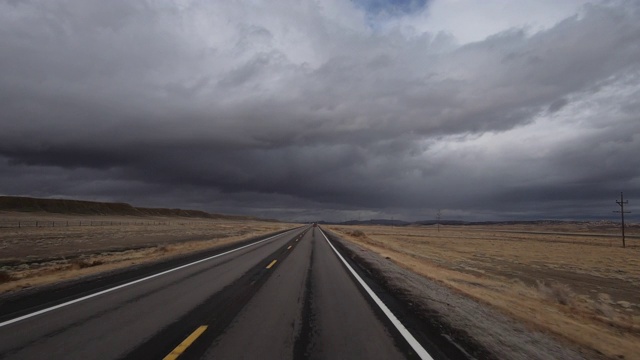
68,246
519,292
565,280
274,299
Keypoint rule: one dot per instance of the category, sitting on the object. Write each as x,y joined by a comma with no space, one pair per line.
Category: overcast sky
333,109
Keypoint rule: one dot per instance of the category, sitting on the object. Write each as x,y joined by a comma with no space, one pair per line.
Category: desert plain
65,247
573,281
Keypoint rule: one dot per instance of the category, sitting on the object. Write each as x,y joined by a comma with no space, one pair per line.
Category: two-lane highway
286,297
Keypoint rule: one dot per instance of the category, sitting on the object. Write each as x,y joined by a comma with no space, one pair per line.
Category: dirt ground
32,256
566,280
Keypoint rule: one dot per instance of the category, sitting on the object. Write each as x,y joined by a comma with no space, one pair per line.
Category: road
286,297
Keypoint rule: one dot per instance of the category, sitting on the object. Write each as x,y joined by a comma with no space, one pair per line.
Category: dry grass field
32,256
560,279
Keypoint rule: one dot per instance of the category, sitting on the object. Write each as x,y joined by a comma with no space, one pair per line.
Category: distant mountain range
81,207
375,222
454,222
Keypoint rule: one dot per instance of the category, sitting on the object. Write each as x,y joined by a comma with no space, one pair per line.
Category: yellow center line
289,247
185,344
272,263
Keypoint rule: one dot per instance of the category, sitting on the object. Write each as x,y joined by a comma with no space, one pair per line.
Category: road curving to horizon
289,296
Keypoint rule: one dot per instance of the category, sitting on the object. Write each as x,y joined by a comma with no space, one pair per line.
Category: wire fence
76,223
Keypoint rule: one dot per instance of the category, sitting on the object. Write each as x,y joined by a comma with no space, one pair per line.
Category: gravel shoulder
467,321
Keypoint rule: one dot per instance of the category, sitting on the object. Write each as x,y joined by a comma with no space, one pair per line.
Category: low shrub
557,292
79,263
604,309
5,277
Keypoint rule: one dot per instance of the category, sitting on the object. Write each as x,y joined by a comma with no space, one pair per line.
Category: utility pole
622,203
438,216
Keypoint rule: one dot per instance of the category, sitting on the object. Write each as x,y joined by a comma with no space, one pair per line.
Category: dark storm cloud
309,112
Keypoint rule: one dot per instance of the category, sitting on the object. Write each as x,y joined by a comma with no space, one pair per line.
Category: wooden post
622,203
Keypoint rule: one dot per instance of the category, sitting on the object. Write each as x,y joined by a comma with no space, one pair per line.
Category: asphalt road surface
290,296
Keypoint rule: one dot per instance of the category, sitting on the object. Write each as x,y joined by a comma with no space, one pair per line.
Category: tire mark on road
302,348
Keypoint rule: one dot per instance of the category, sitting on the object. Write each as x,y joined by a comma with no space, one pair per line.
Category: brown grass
580,288
38,256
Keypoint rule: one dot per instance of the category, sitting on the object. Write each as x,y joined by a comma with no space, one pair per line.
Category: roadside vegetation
34,256
581,288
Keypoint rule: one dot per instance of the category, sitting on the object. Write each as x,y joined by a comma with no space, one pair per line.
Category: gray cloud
247,109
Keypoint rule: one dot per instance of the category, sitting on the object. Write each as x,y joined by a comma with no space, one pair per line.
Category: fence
70,223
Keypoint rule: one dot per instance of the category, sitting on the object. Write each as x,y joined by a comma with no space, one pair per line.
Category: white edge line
403,330
39,312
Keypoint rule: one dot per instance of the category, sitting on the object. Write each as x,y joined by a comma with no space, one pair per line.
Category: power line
622,203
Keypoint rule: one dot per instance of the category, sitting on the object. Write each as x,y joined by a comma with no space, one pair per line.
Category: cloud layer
303,110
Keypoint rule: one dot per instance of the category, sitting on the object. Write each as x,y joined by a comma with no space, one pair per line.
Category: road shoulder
481,331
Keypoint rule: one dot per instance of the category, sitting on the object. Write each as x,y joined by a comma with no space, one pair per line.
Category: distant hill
506,222
390,222
81,207
442,222
376,222
460,222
